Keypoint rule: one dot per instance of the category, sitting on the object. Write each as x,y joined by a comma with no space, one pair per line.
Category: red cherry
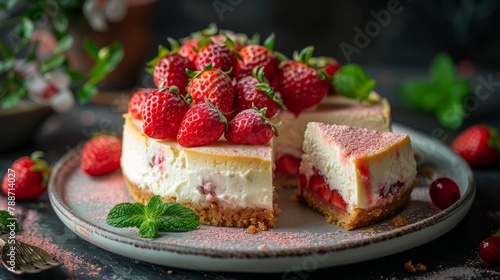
489,250
444,192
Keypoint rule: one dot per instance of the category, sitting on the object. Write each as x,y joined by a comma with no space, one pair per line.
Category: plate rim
74,155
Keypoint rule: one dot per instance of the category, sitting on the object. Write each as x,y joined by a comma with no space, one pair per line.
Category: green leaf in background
443,94
52,63
107,59
353,82
64,44
6,219
86,92
91,49
60,22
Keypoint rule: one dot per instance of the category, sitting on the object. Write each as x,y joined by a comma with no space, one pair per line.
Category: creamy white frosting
238,176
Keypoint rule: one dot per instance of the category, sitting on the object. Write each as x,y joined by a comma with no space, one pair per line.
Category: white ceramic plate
302,240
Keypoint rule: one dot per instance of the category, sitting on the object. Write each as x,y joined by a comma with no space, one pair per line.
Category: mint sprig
353,82
443,93
152,217
6,220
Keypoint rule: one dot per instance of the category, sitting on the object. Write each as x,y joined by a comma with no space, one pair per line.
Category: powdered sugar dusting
355,141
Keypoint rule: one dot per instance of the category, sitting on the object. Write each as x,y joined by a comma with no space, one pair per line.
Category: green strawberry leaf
153,217
6,220
353,82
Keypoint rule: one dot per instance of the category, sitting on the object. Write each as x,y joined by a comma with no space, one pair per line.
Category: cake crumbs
170,272
252,229
427,172
368,230
399,221
410,267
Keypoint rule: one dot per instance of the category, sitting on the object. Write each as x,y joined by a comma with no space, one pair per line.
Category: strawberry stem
270,42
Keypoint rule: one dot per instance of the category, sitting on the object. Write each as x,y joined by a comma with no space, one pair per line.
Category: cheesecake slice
225,184
374,113
355,176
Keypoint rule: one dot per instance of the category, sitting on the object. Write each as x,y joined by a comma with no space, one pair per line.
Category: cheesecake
373,113
355,176
225,184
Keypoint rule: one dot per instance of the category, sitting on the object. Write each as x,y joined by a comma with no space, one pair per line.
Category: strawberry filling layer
318,186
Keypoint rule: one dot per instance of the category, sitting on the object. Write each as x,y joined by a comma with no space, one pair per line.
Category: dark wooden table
451,256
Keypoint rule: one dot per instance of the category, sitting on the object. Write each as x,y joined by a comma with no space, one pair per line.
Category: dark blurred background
413,34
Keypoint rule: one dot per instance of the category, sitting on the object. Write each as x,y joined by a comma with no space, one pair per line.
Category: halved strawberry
337,200
287,165
316,182
324,192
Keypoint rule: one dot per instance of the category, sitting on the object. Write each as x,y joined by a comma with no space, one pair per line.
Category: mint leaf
126,215
353,82
444,94
6,220
148,229
176,217
154,207
153,217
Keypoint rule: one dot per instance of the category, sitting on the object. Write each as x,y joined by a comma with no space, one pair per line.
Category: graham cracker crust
359,217
213,214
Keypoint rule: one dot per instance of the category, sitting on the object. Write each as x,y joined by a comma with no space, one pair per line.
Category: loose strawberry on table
255,91
214,85
300,84
101,155
162,113
251,127
203,124
169,67
478,145
27,177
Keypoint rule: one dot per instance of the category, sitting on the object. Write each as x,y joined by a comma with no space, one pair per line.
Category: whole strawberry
203,124
189,48
101,155
137,101
301,86
220,56
251,127
329,66
255,91
478,145
169,67
162,113
214,85
27,177
253,56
